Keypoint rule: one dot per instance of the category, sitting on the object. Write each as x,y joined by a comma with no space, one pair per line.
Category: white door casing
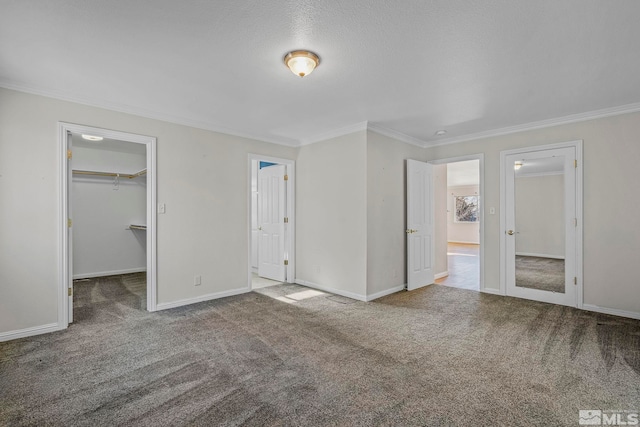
70,224
570,295
420,225
271,222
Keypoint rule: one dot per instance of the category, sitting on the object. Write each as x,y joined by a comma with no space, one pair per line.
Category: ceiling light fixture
517,165
301,62
92,138
441,132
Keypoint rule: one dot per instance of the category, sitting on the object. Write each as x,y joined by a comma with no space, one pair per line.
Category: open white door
541,225
70,224
420,226
271,222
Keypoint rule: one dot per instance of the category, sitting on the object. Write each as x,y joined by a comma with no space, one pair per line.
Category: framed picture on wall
466,209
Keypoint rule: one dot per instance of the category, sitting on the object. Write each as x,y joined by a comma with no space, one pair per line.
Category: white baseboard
441,275
492,291
540,255
332,290
613,311
28,332
108,273
386,292
201,298
464,243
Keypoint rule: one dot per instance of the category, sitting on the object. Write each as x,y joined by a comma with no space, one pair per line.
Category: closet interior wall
104,208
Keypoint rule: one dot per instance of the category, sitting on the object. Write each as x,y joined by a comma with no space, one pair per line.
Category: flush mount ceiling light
517,165
92,138
301,62
441,132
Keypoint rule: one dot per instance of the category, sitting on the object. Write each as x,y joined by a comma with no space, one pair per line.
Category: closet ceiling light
517,165
441,132
301,62
92,138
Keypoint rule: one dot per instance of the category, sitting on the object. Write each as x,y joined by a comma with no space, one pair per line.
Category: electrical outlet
492,211
197,281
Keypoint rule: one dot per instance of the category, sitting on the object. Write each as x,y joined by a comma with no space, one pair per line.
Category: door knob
410,231
259,228
510,232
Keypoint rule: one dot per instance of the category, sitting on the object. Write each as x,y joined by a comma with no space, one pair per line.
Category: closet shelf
114,174
137,227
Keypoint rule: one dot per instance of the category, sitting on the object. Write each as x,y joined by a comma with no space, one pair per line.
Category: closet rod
122,175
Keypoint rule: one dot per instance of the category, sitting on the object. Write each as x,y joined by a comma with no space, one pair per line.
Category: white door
271,222
540,220
420,225
70,223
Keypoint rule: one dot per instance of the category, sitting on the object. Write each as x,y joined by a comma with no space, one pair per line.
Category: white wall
202,179
102,211
611,244
331,215
540,216
441,213
386,211
461,232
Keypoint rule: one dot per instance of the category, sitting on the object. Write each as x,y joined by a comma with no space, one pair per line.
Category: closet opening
108,238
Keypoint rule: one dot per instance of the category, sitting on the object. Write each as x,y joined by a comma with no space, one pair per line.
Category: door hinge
286,177
575,163
286,220
70,291
69,222
286,262
575,222
69,155
575,280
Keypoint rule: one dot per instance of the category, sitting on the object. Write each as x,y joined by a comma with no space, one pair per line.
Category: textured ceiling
409,67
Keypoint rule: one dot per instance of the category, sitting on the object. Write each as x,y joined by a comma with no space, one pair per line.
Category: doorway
541,221
107,223
271,221
459,216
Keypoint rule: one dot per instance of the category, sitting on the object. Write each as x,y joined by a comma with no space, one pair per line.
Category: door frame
480,158
290,240
64,256
577,145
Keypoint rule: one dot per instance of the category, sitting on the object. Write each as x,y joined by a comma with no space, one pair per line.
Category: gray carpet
546,274
435,356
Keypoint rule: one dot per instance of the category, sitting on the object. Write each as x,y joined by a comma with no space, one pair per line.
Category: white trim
492,291
612,311
573,118
291,213
577,145
63,257
199,124
28,332
461,242
441,275
386,292
146,113
396,135
201,298
345,130
534,175
481,197
109,273
331,290
540,255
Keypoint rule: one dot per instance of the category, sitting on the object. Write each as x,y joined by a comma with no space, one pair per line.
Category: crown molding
345,130
573,118
396,135
142,112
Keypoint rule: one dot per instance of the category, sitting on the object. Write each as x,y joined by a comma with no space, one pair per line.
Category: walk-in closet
108,197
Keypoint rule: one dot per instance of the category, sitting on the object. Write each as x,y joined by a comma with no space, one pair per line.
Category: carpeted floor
435,356
546,274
